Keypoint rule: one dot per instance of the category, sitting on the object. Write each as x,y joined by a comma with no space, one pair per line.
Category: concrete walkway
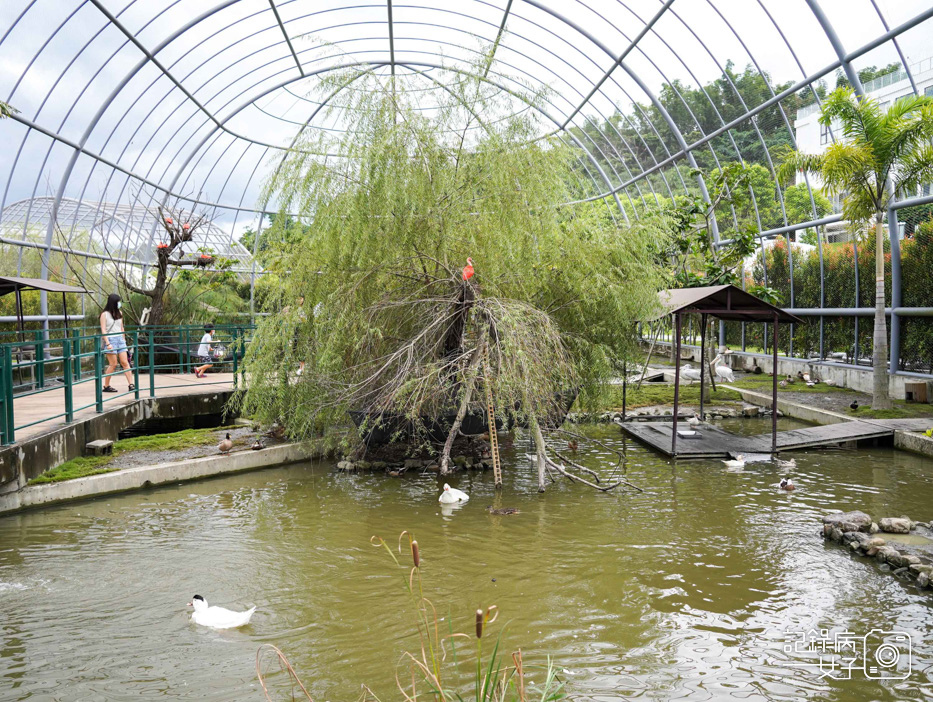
51,402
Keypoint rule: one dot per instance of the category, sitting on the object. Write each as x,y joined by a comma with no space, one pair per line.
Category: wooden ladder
491,416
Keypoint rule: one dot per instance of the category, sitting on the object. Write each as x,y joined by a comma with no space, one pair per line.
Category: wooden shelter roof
8,285
723,302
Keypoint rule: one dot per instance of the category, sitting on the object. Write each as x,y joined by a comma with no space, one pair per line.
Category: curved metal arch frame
221,153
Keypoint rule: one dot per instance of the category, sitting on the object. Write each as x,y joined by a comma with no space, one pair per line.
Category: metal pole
10,435
774,386
703,365
676,383
66,369
136,363
152,392
98,373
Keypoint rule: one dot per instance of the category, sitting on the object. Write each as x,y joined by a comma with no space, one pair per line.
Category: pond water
690,591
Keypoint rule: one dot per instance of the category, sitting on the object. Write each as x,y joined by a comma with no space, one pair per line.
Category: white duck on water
218,617
451,495
736,464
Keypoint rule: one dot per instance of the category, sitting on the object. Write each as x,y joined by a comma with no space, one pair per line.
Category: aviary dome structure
125,104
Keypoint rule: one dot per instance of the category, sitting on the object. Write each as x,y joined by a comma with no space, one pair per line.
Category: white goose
218,617
451,495
723,372
693,421
792,463
737,464
689,373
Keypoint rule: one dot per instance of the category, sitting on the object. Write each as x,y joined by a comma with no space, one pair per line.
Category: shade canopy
723,302
8,285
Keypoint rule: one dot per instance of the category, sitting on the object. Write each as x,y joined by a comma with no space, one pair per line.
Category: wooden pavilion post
774,385
703,364
676,383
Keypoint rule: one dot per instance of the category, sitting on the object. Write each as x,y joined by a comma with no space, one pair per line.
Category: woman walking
111,327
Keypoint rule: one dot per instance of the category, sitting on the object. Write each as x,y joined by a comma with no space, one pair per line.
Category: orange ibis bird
468,269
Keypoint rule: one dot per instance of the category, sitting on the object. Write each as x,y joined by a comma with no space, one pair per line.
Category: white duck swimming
792,463
451,495
737,464
217,617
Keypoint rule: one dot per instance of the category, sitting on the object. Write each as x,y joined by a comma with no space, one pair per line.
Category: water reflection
687,591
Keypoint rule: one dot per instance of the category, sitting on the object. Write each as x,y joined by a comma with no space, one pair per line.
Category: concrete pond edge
904,440
141,477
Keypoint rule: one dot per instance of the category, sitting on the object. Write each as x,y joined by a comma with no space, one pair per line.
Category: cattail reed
415,554
479,623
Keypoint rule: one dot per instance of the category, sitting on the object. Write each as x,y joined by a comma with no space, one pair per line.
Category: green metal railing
33,365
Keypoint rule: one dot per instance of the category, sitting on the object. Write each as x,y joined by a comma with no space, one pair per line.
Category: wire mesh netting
119,106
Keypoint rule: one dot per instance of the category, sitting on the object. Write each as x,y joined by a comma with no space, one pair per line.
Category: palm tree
881,153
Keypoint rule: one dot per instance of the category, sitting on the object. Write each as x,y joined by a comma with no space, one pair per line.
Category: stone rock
860,520
827,530
859,538
873,529
900,571
380,465
911,560
895,525
875,542
345,465
363,465
921,568
872,551
887,553
923,580
749,411
854,545
895,558
460,461
835,534
411,463
433,467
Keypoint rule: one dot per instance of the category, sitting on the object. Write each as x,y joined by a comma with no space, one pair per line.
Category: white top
205,348
113,326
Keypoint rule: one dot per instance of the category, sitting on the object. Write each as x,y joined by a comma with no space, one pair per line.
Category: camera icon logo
886,655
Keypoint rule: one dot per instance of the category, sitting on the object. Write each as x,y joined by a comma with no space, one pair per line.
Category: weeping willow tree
372,296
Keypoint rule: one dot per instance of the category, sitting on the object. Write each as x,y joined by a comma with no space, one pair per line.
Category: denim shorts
118,342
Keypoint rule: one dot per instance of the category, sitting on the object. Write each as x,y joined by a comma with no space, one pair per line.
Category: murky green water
690,592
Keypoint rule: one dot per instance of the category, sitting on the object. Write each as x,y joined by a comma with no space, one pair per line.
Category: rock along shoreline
863,536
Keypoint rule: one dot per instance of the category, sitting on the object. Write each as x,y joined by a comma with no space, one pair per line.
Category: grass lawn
762,383
93,465
901,410
651,394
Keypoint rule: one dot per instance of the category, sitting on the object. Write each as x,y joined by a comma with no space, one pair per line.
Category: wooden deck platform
714,442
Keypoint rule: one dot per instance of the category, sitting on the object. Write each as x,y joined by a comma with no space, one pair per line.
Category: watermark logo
840,655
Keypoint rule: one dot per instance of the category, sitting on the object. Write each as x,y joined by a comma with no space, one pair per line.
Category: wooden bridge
713,442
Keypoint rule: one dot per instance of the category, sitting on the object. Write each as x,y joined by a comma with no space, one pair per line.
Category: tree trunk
540,451
470,383
880,398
